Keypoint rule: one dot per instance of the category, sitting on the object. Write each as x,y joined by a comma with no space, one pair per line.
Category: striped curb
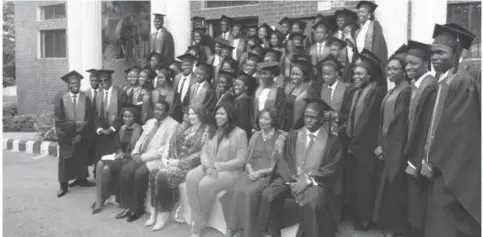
32,147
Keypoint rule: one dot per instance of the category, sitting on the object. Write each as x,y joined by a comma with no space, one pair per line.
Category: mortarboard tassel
456,55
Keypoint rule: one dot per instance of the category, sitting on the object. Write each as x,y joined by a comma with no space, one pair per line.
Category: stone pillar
177,21
91,37
393,16
424,14
74,42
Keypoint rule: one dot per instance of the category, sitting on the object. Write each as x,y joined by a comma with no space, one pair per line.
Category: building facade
53,37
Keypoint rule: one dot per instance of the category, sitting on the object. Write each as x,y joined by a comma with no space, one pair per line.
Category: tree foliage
8,43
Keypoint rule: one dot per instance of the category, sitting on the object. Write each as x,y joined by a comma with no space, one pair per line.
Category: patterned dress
184,146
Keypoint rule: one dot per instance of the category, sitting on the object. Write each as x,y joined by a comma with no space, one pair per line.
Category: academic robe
183,102
293,107
92,135
314,57
454,153
175,111
420,110
145,103
106,144
390,212
361,165
244,112
319,209
275,100
73,158
207,97
474,71
375,42
226,97
163,44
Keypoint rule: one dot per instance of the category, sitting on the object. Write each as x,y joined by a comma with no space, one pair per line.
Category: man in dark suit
319,50
225,25
161,41
202,91
183,81
238,42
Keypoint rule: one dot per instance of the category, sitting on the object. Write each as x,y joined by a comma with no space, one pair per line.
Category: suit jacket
163,45
117,99
240,48
337,99
177,80
206,95
313,53
230,154
157,149
230,37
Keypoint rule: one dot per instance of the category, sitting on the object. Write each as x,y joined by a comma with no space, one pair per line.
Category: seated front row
306,165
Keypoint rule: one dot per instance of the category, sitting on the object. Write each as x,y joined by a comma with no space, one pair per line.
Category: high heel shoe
161,222
151,221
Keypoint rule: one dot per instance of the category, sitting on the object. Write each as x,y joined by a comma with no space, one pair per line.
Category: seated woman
242,202
222,161
184,154
108,170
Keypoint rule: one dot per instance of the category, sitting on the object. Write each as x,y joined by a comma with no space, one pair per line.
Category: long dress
391,202
242,202
185,145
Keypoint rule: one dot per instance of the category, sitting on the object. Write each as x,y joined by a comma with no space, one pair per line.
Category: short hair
165,103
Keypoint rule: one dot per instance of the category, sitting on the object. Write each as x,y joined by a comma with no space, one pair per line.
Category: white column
393,16
74,47
424,14
91,37
177,21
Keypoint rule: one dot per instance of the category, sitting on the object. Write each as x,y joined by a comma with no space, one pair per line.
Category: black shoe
96,210
125,213
364,226
93,205
134,216
62,192
85,183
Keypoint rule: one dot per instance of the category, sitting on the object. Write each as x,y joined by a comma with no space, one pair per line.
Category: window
53,12
53,44
213,4
468,15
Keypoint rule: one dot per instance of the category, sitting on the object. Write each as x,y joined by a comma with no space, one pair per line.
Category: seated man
309,173
148,153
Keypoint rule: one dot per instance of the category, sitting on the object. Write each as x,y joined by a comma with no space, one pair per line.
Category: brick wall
37,79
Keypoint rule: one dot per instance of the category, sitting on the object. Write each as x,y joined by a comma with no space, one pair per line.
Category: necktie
196,90
319,52
105,103
181,88
150,137
94,98
311,142
74,98
330,94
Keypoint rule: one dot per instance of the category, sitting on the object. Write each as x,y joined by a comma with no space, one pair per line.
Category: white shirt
417,83
93,92
158,33
155,81
333,89
185,84
225,35
361,37
109,92
443,76
349,53
198,86
320,49
77,98
339,34
235,45
263,98
216,61
316,133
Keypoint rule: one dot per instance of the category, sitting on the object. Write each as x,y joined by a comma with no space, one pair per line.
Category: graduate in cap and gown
165,92
276,56
338,50
154,62
264,32
361,173
452,158
268,95
144,99
72,113
292,53
285,27
182,83
162,41
224,92
296,93
107,119
423,95
309,172
238,42
225,27
243,88
132,89
202,91
341,19
197,21
276,39
250,66
370,35
251,31
91,93
250,43
390,211
225,53
200,42
298,26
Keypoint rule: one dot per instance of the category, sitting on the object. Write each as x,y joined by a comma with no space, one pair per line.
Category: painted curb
32,147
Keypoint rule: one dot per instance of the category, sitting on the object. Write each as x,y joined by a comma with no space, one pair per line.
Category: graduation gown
183,102
207,97
320,206
244,113
360,174
390,212
454,152
172,99
163,44
275,100
91,135
293,107
226,97
375,42
420,110
73,159
145,103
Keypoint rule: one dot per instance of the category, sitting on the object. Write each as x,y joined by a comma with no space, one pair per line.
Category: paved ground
31,207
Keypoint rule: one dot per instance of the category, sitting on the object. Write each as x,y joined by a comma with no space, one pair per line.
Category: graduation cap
255,40
159,15
226,74
249,81
71,74
332,61
285,20
420,50
135,67
206,67
269,66
329,22
318,17
197,19
367,4
274,53
225,18
300,23
267,28
334,40
105,72
369,59
258,50
297,35
303,63
94,71
299,50
200,29
322,105
187,57
403,49
255,57
351,16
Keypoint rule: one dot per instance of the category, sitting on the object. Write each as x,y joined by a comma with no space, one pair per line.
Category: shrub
9,109
45,126
19,123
